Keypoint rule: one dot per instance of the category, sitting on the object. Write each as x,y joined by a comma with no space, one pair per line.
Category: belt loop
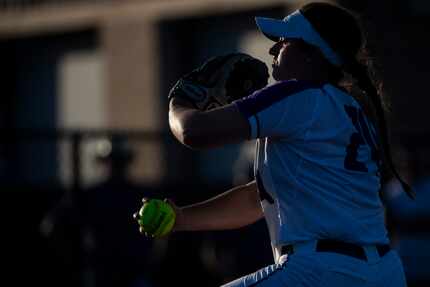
299,247
372,254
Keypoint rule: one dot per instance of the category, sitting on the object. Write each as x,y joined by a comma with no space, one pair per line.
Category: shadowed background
85,136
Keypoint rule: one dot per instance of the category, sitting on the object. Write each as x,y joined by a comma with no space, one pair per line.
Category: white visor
297,26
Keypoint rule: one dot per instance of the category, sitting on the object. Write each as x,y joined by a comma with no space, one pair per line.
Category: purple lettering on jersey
270,95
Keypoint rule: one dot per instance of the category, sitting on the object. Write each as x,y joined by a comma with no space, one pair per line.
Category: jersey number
363,136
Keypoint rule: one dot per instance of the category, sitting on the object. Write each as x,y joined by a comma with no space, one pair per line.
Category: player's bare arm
237,207
206,129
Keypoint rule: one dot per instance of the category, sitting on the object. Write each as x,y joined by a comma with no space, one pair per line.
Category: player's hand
155,218
179,220
221,80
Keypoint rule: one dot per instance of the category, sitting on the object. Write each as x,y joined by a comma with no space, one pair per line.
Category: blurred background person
101,223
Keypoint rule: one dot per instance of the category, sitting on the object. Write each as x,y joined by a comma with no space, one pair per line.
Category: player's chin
280,74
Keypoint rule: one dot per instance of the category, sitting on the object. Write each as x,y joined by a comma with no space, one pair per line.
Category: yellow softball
156,217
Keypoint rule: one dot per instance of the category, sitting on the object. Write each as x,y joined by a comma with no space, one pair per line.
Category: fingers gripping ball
156,218
221,80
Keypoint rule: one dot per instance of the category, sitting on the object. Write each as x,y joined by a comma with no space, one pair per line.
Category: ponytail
361,74
330,21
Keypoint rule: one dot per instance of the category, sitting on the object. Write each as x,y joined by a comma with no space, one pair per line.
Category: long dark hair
342,31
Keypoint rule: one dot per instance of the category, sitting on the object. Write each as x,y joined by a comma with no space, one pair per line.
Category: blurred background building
77,74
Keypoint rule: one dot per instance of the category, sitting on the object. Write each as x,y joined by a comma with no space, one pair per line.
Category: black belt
327,245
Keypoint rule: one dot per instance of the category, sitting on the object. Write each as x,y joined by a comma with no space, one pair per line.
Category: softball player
318,159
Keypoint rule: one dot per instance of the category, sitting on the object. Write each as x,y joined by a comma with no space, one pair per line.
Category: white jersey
316,164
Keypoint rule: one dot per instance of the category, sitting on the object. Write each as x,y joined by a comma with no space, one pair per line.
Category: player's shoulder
340,94
276,93
284,89
287,88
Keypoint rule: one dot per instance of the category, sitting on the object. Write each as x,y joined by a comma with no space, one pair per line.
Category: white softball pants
309,268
